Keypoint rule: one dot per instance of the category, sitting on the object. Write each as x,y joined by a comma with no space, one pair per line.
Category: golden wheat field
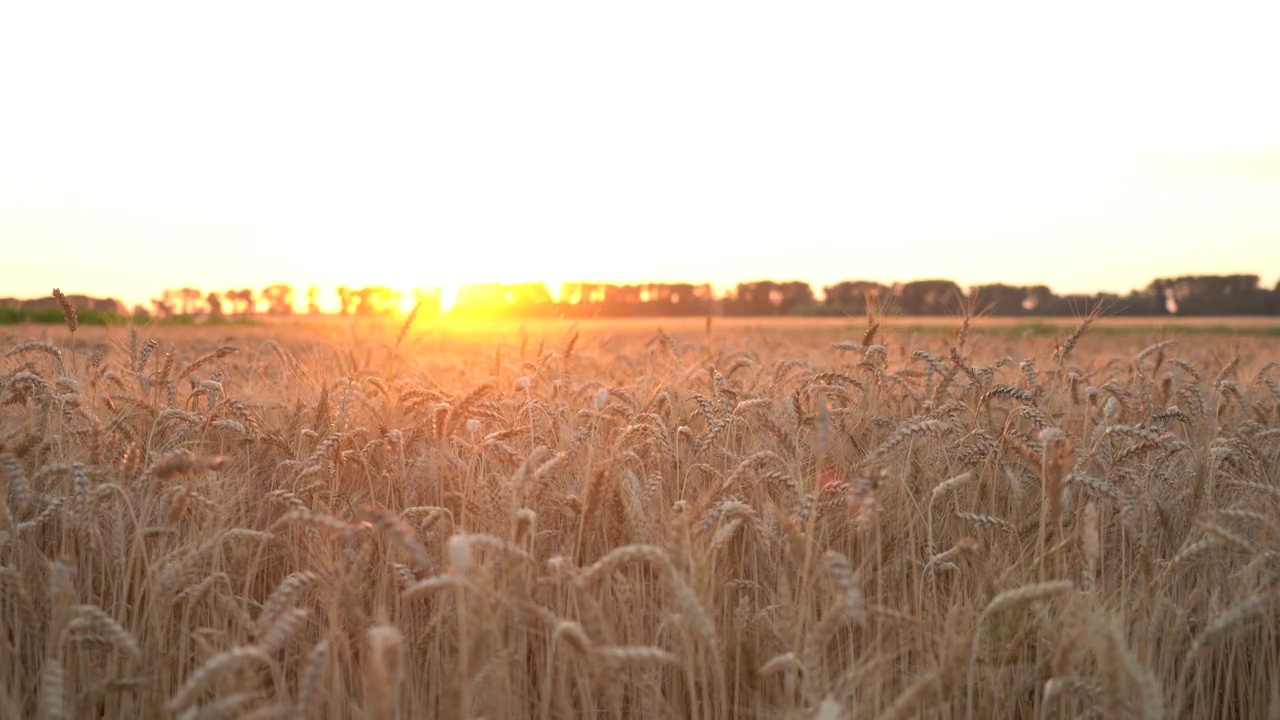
343,520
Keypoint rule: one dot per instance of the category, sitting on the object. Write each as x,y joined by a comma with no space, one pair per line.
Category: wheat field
373,521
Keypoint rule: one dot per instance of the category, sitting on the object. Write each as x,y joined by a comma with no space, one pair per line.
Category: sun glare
448,296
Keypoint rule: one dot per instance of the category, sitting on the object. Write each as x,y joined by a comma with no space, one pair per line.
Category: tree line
1192,295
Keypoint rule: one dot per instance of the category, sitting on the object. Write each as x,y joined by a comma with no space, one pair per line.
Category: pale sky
1089,146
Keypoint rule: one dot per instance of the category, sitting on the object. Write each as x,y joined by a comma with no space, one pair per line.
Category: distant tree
109,305
676,299
215,305
586,298
1114,303
1160,298
1038,300
766,297
375,300
1210,295
191,300
1136,303
622,300
992,297
853,297
1189,295
751,298
279,299
80,302
163,305
241,301
694,299
364,301
789,298
999,299
929,297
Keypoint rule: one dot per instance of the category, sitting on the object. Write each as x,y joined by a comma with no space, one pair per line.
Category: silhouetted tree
929,297
1000,299
751,298
678,299
241,301
766,297
375,300
215,305
852,297
1038,300
80,302
1187,295
365,301
582,299
164,304
279,299
191,299
996,298
1211,295
621,300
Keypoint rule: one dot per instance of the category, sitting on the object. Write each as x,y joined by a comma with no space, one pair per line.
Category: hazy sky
1091,146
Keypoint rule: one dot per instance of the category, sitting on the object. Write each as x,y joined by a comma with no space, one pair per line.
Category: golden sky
1086,146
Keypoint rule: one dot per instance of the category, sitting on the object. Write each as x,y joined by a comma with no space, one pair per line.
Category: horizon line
719,291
